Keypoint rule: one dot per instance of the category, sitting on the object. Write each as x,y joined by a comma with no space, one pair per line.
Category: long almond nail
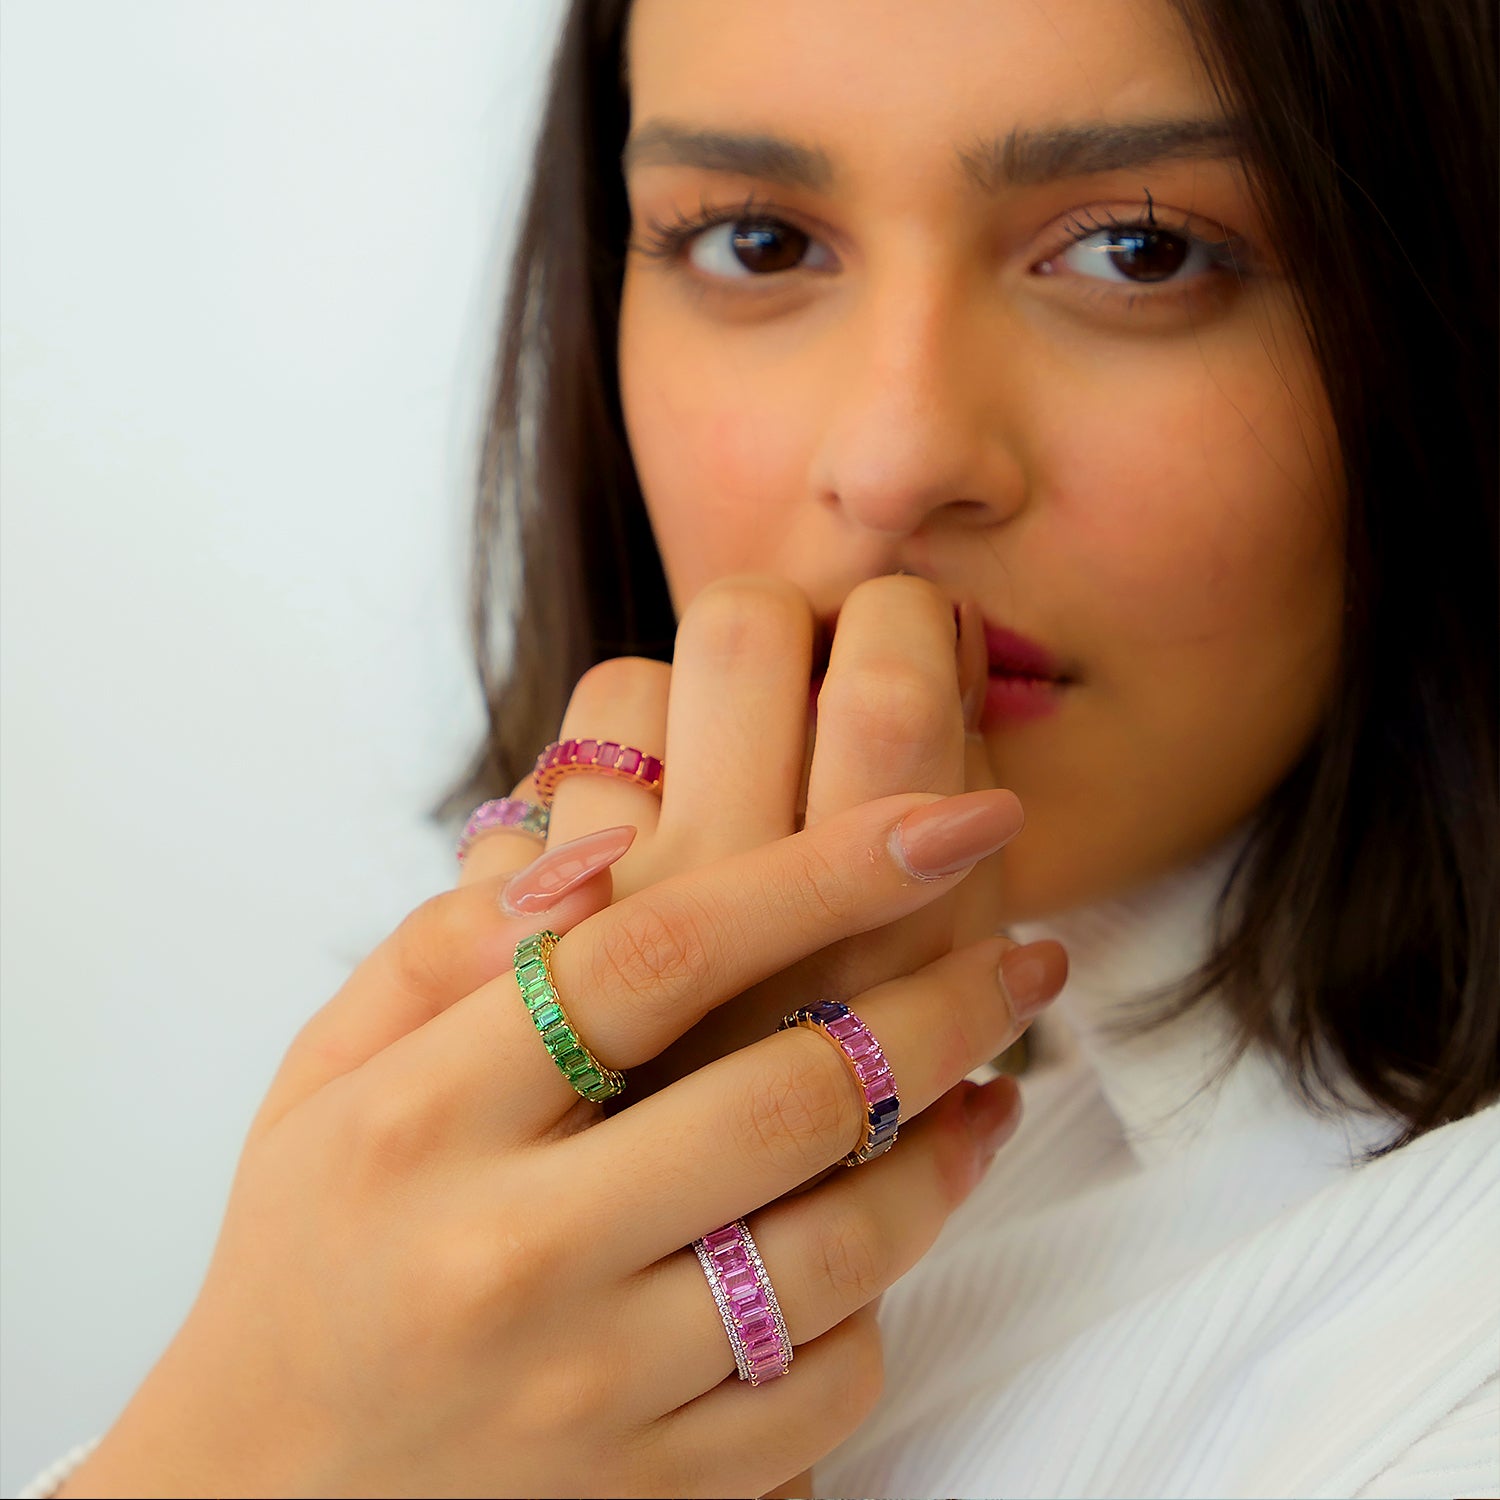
948,836
549,877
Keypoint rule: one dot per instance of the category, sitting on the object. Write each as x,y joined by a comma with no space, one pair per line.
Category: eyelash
668,240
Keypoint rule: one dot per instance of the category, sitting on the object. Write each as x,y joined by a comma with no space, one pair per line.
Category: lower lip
1015,700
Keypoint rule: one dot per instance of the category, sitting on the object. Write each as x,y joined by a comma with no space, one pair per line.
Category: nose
923,429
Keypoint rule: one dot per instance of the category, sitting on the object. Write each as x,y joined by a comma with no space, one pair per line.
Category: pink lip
1018,655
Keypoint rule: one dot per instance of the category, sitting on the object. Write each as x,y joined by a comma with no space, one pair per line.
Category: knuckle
627,679
854,1256
663,944
820,881
390,1133
745,615
891,702
414,954
801,1113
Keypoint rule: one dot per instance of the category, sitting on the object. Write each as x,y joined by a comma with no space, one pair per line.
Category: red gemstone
587,750
628,762
608,754
650,769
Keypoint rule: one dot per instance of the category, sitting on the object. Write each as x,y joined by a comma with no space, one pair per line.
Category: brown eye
765,246
754,246
1146,254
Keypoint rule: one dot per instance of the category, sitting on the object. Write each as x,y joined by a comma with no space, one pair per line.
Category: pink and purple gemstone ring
868,1064
742,1292
562,757
503,812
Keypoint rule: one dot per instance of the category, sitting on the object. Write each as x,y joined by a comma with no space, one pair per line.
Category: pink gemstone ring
866,1061
564,756
742,1292
503,812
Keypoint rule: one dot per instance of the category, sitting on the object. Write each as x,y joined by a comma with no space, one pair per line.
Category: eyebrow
1022,158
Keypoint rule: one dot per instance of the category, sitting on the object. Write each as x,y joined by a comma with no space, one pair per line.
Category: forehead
898,79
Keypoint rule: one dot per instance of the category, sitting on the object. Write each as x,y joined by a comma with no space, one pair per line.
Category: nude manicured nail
1033,976
549,877
948,836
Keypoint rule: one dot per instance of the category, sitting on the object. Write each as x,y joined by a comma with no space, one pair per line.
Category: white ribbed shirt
1152,1294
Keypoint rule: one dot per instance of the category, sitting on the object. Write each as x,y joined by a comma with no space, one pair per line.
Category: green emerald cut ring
576,1063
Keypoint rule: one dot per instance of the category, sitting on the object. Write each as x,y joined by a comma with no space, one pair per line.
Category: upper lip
1009,652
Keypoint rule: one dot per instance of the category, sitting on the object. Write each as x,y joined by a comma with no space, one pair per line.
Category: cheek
720,467
1205,513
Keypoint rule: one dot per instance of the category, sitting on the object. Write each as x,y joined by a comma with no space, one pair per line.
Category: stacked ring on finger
747,1304
504,812
563,757
870,1069
587,1075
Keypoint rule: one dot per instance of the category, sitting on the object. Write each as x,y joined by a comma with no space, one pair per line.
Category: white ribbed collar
1122,947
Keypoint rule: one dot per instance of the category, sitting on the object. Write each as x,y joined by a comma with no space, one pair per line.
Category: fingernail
1032,977
948,836
993,1111
549,877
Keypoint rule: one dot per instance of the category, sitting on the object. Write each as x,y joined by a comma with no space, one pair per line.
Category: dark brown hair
1359,932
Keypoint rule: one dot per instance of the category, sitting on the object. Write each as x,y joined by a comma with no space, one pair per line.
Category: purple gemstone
608,753
827,1010
628,762
887,1111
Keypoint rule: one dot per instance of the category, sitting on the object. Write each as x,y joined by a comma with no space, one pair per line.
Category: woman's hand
731,720
441,1272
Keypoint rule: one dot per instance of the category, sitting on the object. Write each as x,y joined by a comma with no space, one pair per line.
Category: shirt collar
1159,1085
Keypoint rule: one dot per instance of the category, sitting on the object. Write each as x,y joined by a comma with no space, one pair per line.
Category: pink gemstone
753,1305
628,761
878,1089
608,753
844,1026
757,1329
650,769
868,1067
570,753
738,1282
859,1046
587,750
728,1235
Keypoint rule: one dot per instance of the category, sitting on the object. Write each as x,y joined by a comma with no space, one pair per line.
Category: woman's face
957,313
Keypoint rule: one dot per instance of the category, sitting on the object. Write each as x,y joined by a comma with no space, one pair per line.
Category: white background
251,260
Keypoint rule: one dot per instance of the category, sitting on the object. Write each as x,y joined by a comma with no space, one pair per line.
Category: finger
740,1439
831,1251
751,1127
501,851
737,718
637,975
447,948
623,700
889,713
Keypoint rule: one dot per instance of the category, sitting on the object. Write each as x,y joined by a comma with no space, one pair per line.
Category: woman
863,343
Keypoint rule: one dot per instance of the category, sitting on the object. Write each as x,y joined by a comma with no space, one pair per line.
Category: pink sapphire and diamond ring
742,1292
564,756
868,1064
